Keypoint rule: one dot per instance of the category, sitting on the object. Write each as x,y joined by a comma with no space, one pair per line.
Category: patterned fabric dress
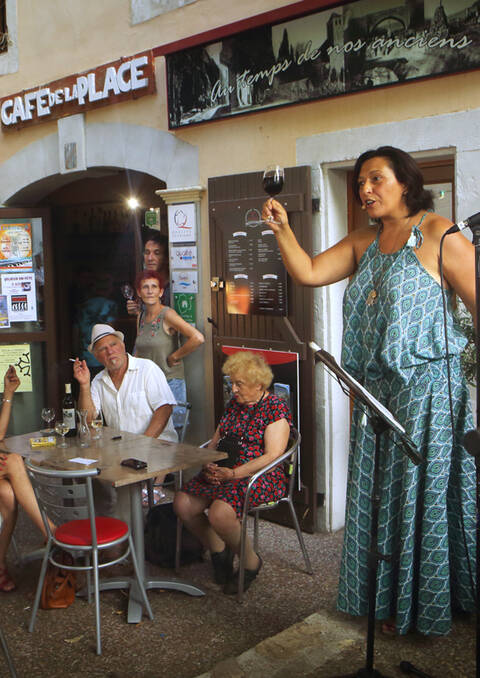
237,419
395,347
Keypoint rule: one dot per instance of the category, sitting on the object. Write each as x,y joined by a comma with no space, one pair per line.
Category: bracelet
6,400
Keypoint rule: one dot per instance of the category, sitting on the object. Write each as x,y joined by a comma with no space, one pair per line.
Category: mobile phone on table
136,464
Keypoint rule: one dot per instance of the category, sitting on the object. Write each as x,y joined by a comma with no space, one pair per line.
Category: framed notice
184,281
182,226
183,257
186,307
19,288
17,355
16,246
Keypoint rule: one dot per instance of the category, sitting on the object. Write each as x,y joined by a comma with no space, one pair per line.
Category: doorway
95,241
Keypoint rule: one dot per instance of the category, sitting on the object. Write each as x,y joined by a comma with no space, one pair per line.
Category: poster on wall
19,288
256,278
15,246
4,319
182,223
18,355
284,365
347,48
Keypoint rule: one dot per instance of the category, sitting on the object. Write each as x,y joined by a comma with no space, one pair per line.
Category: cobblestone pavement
287,626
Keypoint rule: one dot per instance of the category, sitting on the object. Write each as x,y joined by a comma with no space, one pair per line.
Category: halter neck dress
395,347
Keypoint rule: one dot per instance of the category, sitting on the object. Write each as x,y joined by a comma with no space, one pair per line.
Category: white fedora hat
100,331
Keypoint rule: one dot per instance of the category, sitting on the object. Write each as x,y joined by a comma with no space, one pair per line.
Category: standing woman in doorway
158,337
393,343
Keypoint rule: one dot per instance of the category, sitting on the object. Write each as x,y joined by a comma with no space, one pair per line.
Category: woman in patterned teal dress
393,343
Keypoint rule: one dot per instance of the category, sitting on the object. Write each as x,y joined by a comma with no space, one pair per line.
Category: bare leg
9,511
14,471
190,509
225,523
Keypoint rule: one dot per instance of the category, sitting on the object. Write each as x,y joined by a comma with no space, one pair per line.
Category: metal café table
162,457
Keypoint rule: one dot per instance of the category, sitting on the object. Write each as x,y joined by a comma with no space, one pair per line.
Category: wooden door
25,239
237,200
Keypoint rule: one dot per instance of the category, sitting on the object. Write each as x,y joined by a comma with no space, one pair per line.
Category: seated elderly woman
15,486
258,424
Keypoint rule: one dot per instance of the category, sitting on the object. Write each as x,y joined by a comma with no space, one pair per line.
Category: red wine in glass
273,178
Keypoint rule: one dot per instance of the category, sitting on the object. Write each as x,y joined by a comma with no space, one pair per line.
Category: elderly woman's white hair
251,367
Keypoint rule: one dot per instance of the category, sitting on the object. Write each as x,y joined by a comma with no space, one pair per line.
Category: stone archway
35,170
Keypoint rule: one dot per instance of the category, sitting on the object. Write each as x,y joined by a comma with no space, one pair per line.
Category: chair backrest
183,429
63,495
290,463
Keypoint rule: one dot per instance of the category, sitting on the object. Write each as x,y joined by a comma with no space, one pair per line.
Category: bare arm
336,263
194,338
82,375
158,421
459,268
10,384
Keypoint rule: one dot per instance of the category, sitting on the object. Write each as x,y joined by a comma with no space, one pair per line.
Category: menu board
256,278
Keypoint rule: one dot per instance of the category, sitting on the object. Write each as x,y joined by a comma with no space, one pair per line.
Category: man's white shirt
143,390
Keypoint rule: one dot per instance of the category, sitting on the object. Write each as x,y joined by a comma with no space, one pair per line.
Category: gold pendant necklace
373,294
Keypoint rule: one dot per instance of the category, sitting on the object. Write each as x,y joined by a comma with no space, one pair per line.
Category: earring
363,207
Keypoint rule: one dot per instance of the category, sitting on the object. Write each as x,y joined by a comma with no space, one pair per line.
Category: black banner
357,46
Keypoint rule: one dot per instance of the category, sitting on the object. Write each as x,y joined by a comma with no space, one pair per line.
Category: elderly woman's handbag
232,443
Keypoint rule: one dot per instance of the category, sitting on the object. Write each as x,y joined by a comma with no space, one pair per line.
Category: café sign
122,80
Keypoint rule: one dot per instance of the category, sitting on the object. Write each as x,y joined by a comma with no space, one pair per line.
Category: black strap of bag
232,443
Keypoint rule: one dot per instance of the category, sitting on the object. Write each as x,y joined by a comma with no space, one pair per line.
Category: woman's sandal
231,586
6,582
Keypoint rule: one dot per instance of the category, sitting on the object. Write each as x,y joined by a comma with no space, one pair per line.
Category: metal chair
8,657
66,497
181,437
289,460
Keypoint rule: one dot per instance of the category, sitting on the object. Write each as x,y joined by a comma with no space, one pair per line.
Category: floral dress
237,419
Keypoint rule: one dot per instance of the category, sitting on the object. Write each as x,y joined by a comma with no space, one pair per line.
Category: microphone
472,221
406,667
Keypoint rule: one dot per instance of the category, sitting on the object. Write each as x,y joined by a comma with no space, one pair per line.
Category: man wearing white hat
132,393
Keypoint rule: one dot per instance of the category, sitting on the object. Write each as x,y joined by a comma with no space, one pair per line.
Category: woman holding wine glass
15,486
394,344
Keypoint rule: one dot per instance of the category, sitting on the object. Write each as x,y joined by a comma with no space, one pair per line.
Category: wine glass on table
96,424
273,178
62,428
48,415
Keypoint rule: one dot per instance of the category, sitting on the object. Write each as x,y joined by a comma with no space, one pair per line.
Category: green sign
185,306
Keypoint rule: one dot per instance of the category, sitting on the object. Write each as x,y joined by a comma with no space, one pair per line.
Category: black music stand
381,420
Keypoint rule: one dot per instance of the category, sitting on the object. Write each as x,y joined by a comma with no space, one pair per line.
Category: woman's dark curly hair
406,171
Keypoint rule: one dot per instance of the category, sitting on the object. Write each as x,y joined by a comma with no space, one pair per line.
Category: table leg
135,606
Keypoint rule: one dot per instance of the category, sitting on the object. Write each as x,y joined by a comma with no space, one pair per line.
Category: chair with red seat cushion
66,498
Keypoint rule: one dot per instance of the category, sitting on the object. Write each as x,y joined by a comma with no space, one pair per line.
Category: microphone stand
472,438
381,420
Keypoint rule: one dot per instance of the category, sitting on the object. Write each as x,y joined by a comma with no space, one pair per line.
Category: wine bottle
68,411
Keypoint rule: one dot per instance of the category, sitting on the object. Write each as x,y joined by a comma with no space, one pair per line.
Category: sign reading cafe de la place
127,78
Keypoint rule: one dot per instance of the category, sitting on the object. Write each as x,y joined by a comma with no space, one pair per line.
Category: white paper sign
21,296
83,460
185,281
182,223
183,257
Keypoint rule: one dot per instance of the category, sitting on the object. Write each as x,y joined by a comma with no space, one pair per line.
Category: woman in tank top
159,331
